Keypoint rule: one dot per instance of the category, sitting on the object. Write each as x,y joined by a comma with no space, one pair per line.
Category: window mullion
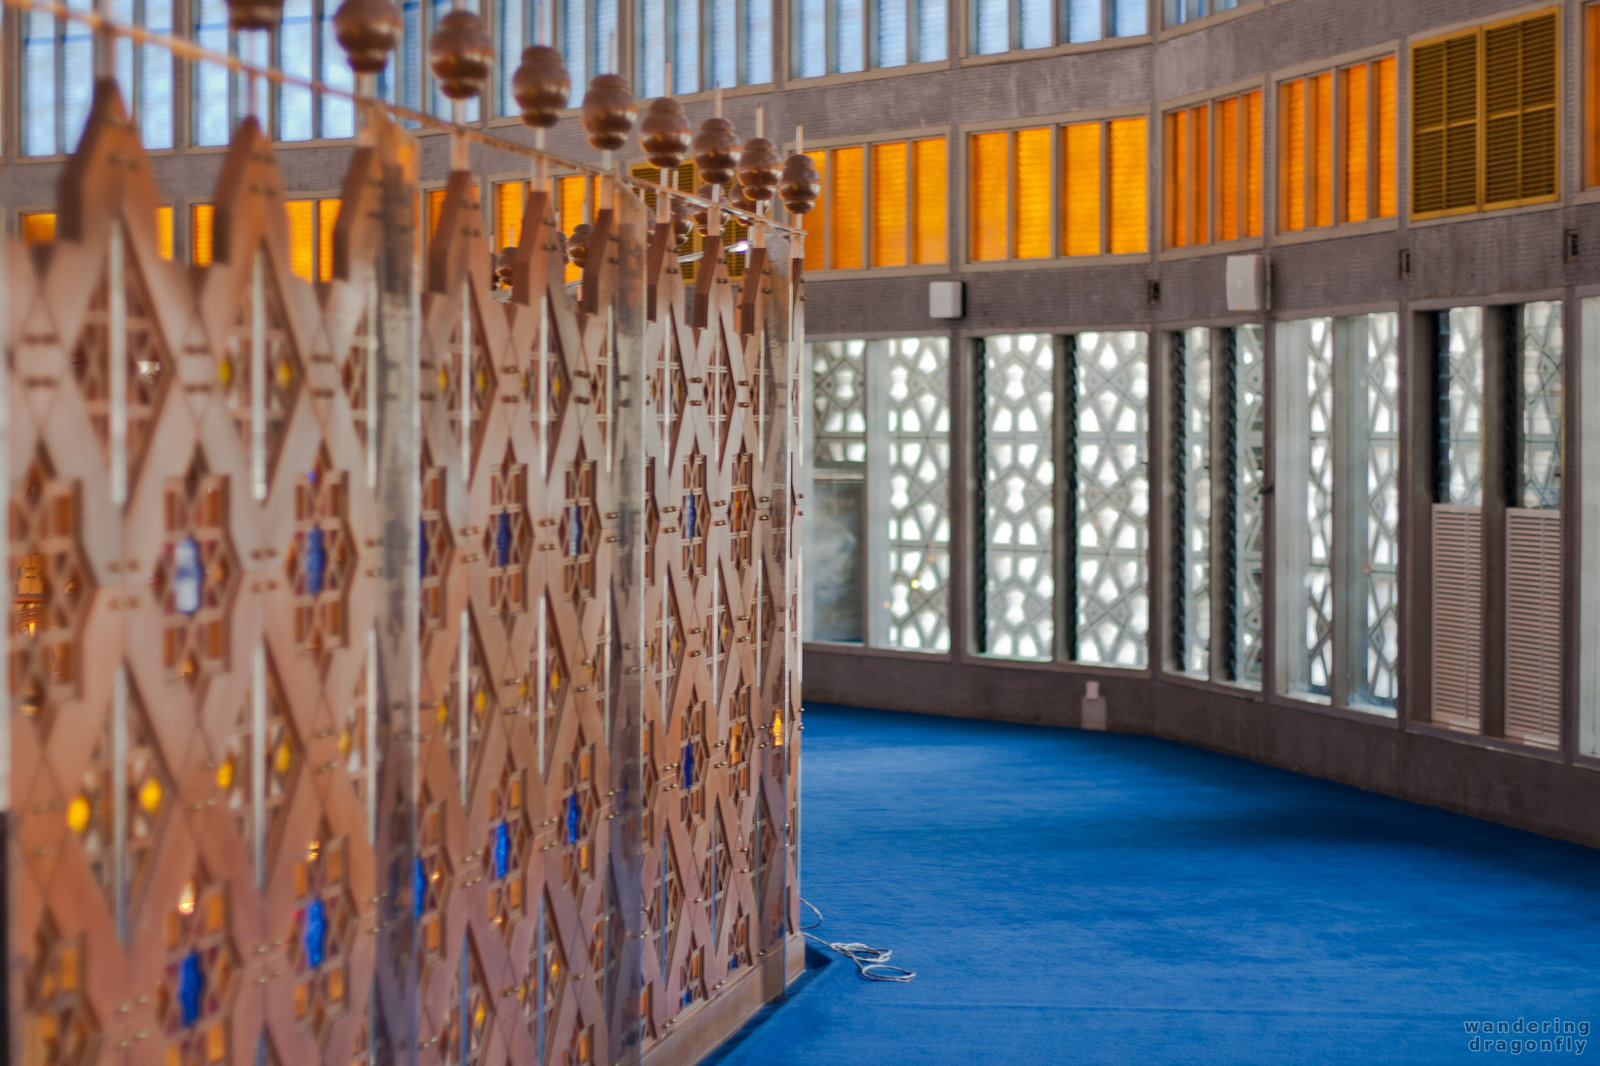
1054,157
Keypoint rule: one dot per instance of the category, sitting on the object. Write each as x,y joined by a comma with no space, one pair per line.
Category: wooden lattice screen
394,669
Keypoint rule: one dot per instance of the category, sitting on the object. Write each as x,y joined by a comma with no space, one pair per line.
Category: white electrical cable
871,963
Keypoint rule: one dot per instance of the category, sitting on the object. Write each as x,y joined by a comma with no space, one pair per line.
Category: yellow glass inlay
989,163
845,189
1080,189
225,774
78,814
929,196
150,795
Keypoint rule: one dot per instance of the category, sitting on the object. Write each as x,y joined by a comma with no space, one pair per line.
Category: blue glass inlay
419,888
188,576
191,988
687,996
502,539
688,516
316,561
574,531
573,808
502,849
316,933
688,766
733,963
422,548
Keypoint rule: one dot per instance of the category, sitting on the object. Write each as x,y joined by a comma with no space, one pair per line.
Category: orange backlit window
1591,94
929,204
509,200
1187,184
311,225
990,210
1337,146
891,187
1212,172
845,193
202,218
39,227
164,231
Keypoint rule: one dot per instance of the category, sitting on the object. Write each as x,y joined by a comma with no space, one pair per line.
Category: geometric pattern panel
1018,448
1460,431
1317,353
1113,496
220,476
1377,680
1248,418
1191,527
1539,380
918,484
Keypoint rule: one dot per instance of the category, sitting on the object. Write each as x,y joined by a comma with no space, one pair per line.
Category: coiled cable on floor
871,963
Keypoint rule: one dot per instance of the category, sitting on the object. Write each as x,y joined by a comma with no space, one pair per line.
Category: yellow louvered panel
1427,129
1461,134
929,201
202,219
1253,164
889,180
641,172
990,211
1540,80
302,237
1591,94
509,198
816,223
1457,617
1033,193
1127,151
846,190
1322,141
1292,164
327,219
1502,99
1081,184
1384,133
573,191
164,232
39,227
1228,169
1356,171
1533,627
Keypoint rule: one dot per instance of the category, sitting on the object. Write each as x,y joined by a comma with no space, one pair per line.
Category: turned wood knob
716,151
503,264
461,55
760,169
254,14
609,112
541,86
682,222
801,185
578,243
665,133
368,30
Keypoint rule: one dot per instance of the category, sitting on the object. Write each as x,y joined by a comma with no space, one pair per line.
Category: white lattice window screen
1540,373
838,401
835,531
918,422
1113,494
1305,506
1377,680
1588,440
1192,397
1019,485
1461,438
1319,506
1249,414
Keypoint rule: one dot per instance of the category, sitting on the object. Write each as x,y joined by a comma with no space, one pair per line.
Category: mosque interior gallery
456,448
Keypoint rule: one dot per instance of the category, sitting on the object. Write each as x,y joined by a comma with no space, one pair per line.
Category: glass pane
758,42
989,156
1539,464
1081,183
835,549
929,201
1126,148
724,43
411,59
811,58
846,208
1129,18
994,26
892,44
39,85
1033,193
1035,23
850,42
1318,383
1249,474
295,58
932,18
917,484
1018,504
1113,497
1085,20
889,192
1376,587
77,91
1460,432
1191,515
211,81
513,37
155,79
686,47
574,27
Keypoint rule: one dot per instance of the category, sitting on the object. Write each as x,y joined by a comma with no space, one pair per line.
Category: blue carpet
1071,897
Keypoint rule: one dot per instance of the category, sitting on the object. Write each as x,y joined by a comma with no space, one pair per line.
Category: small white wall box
1247,283
945,299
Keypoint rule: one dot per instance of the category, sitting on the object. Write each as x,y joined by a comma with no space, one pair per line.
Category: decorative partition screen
398,675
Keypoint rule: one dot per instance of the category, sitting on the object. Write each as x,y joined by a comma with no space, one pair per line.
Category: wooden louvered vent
1533,626
1457,616
1483,115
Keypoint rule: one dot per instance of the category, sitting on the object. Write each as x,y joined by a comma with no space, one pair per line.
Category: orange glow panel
509,198
929,201
1081,182
990,163
1591,94
302,237
1357,143
1253,165
1127,157
435,209
1385,135
816,223
889,177
846,191
39,227
1176,204
164,232
1033,193
1292,168
202,219
327,219
574,191
1322,176
1228,169
1199,174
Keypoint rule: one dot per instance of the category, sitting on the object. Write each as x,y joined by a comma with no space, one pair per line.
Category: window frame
871,60
705,33
1212,169
1054,124
1060,34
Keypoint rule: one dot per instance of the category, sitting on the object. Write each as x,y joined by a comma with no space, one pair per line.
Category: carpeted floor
1072,897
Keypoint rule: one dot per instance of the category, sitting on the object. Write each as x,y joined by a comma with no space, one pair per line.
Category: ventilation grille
1457,616
1533,627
